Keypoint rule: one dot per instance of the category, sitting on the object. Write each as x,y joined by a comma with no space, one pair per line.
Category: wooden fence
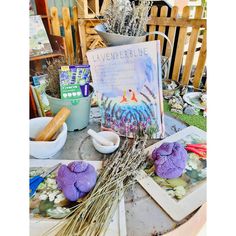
173,25
77,41
69,24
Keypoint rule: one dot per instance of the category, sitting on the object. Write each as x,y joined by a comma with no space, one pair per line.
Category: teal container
80,110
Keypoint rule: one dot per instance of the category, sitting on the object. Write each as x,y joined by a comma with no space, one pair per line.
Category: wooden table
143,215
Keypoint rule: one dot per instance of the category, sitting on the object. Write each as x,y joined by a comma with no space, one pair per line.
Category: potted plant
125,22
80,107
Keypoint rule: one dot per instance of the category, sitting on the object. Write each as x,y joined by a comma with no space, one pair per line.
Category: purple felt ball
76,179
170,160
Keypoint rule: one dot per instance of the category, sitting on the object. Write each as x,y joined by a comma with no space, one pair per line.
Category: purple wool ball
76,179
170,160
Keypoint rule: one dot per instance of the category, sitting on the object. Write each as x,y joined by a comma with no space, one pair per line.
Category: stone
190,110
176,99
176,110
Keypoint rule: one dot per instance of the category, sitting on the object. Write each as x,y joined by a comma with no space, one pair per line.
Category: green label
71,91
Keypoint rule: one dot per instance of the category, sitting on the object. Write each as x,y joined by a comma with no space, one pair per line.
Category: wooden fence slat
180,46
55,22
172,30
191,48
82,35
90,30
201,62
68,34
94,5
167,21
77,40
94,22
152,28
164,10
104,6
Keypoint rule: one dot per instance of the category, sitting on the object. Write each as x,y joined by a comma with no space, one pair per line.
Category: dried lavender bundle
126,18
93,215
53,67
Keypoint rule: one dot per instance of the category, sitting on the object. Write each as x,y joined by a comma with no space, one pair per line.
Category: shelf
45,56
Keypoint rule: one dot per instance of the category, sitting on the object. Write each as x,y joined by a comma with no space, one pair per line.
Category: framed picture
128,83
181,196
39,42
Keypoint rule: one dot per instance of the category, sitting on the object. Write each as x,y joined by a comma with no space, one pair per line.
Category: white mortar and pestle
105,141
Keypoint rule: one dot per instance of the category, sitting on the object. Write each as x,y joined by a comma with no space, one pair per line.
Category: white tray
196,196
38,227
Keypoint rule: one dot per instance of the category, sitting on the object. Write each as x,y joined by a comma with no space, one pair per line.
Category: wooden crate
104,6
182,44
88,8
89,39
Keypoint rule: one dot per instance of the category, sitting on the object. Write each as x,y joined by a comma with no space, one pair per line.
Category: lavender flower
126,18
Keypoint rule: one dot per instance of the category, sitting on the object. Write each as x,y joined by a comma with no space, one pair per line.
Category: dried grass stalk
53,66
93,215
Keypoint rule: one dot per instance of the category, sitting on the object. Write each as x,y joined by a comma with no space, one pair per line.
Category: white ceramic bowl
112,136
45,149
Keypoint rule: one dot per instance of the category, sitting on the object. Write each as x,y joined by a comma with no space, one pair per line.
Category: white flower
171,193
60,197
51,183
62,209
193,162
52,195
43,196
58,212
179,191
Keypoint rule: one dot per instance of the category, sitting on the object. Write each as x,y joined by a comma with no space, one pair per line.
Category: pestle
99,138
53,126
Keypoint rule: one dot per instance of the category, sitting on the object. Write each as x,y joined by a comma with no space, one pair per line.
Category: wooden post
78,54
55,21
201,62
192,48
162,28
68,34
152,28
82,35
180,48
172,30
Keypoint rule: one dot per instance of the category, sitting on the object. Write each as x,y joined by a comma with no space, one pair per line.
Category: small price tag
65,68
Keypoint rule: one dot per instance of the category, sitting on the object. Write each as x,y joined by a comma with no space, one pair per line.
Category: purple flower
76,179
170,160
